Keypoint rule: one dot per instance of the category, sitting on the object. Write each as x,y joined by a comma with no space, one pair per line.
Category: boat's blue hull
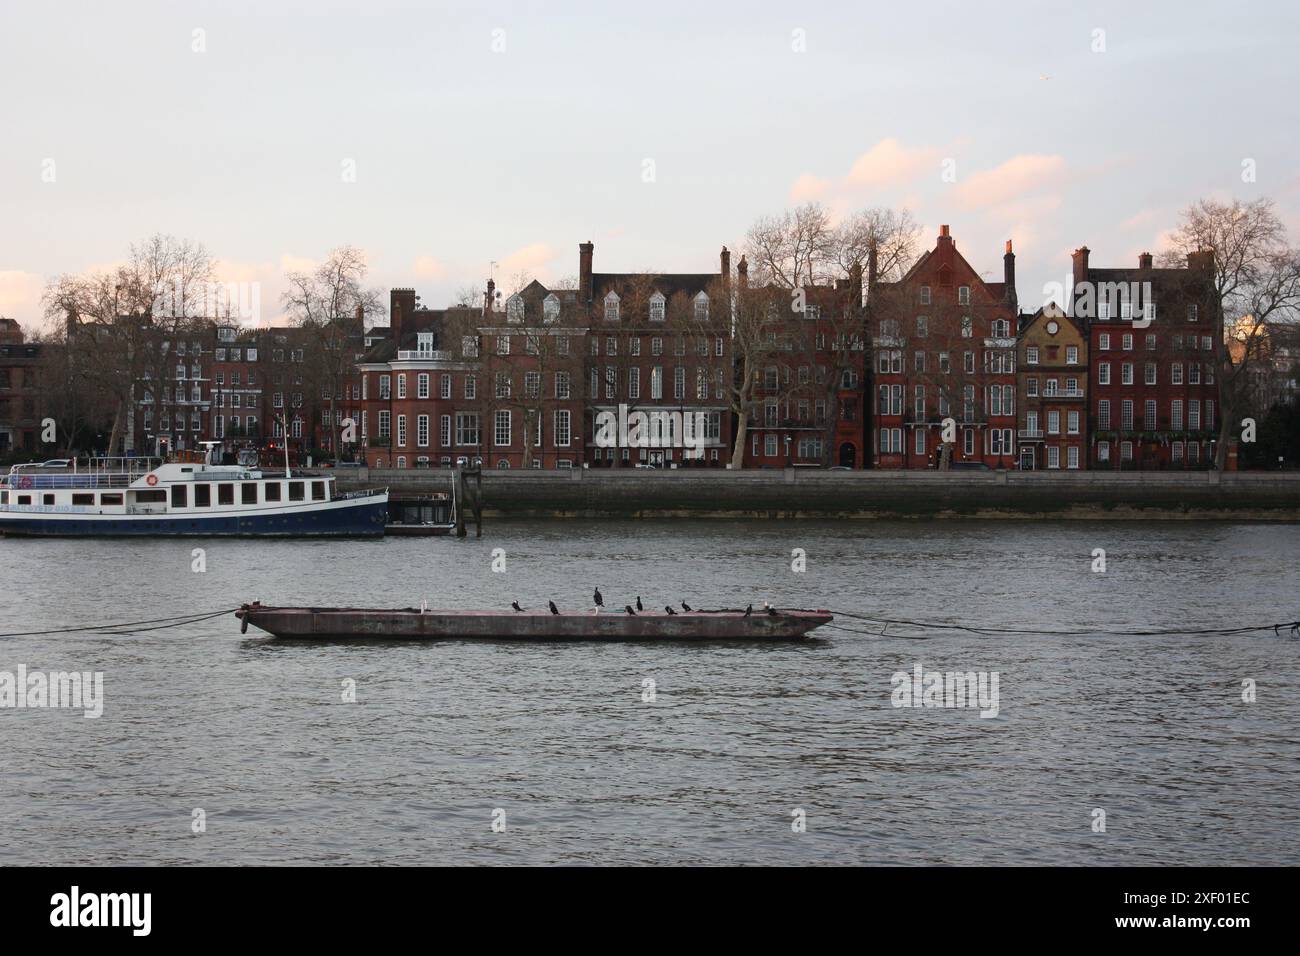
361,519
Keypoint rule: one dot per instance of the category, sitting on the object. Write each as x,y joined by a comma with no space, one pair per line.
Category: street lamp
787,451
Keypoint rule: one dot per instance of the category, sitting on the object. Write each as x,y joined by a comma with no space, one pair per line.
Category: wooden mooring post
470,496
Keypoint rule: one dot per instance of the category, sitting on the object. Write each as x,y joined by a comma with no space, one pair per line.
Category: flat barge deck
529,625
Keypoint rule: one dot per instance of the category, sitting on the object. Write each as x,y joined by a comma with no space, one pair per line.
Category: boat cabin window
4,497
295,491
83,499
202,496
318,491
24,499
272,491
110,498
248,493
225,494
179,495
152,496
47,499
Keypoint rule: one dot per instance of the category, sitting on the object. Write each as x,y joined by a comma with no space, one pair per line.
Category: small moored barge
534,625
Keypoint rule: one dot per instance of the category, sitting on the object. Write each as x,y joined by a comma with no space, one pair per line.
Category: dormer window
963,295
701,308
515,308
925,295
551,308
611,307
657,304
1001,328
424,343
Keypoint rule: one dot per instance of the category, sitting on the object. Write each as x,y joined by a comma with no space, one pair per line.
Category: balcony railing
423,355
1030,433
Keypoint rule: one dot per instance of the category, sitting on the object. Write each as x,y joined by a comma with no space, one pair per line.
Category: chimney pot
1144,261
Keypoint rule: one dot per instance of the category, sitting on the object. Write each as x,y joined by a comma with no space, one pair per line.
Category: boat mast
284,426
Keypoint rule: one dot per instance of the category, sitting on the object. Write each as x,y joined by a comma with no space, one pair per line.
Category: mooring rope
885,623
128,627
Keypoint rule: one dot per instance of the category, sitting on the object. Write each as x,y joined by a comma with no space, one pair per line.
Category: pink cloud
1016,179
889,163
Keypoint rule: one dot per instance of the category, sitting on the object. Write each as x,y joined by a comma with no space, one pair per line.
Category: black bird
686,607
600,601
554,609
515,605
749,610
669,609
638,603
771,610
628,608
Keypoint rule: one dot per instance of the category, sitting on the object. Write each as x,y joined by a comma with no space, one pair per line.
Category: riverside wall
799,493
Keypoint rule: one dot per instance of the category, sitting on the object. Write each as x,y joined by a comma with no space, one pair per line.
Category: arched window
611,307
657,303
551,308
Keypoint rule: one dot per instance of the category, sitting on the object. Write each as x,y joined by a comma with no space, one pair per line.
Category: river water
788,753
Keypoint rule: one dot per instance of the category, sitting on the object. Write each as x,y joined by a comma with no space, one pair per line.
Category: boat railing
363,493
84,479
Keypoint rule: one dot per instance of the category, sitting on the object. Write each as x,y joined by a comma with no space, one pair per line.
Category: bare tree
1256,276
331,305
794,248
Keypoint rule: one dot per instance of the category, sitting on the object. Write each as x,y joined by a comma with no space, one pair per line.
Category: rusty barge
529,625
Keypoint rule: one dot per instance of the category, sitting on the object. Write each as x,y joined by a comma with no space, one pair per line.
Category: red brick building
1155,345
420,388
20,390
944,351
811,406
660,346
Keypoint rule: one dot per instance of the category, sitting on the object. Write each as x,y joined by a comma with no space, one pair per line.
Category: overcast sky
510,132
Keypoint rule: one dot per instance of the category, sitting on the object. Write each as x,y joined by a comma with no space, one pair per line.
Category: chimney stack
401,306
361,315
742,272
855,284
1009,278
489,299
1201,259
1144,261
871,266
725,262
1080,258
585,249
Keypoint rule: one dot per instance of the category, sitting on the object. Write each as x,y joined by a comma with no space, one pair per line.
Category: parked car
970,466
348,464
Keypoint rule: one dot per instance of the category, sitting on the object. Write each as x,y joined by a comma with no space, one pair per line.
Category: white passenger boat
145,496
